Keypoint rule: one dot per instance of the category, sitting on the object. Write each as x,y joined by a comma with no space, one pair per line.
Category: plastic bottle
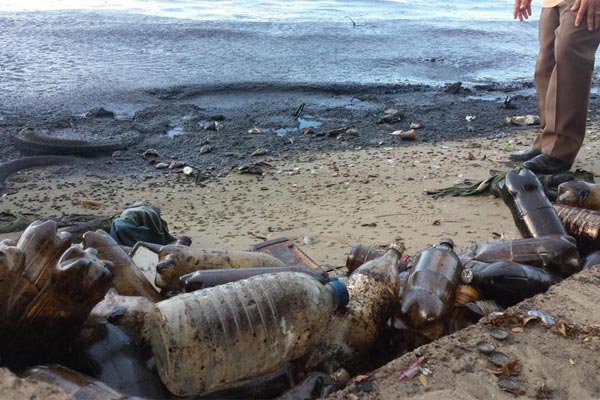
532,211
175,261
557,254
583,225
105,352
373,290
431,286
460,316
128,279
210,339
80,386
509,283
579,194
360,254
591,260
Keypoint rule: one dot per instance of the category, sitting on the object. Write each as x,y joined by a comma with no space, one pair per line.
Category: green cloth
490,185
140,223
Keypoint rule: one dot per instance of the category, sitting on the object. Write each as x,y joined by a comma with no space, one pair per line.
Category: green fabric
140,223
490,185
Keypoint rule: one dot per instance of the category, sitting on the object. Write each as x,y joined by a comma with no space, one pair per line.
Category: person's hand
588,9
523,9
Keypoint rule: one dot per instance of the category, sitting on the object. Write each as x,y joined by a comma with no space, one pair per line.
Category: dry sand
330,201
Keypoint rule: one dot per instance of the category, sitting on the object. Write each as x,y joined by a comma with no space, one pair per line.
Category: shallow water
85,51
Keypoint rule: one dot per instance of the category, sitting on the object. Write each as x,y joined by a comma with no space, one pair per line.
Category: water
67,50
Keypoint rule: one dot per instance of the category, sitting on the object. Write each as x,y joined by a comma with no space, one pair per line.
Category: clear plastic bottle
432,284
210,339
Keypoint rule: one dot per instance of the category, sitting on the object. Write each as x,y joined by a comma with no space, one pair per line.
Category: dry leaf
518,329
571,361
423,380
562,328
527,319
90,204
352,397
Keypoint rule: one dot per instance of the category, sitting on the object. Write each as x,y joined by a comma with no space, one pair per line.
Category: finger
529,9
591,12
597,21
579,16
516,9
576,5
523,5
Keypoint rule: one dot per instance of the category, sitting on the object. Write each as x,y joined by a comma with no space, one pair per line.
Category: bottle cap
466,276
342,292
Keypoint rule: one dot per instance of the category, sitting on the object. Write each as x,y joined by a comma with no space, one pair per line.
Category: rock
523,120
99,113
213,126
255,131
470,118
205,149
161,165
176,164
259,152
308,131
150,153
309,240
415,125
453,88
188,171
405,135
335,132
391,118
351,132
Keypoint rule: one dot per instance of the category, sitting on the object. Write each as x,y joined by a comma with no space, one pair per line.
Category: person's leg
549,21
566,102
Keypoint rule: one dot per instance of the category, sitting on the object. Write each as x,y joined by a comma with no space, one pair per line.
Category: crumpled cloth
140,222
490,185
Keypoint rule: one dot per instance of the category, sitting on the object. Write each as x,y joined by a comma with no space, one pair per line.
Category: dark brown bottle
431,286
80,386
583,225
460,316
508,283
591,260
105,352
532,211
361,253
558,254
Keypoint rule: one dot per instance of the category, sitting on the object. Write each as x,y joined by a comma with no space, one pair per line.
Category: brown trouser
563,77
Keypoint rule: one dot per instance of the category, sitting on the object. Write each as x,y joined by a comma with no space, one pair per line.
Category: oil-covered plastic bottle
583,225
532,211
508,283
557,254
209,339
431,286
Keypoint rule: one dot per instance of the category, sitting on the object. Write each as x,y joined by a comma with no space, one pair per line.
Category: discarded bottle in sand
287,252
361,253
431,286
105,352
583,225
175,261
509,283
591,260
580,194
460,316
128,279
532,211
557,254
75,384
206,340
214,277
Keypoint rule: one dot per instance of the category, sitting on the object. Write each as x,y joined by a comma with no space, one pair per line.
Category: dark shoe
546,165
524,155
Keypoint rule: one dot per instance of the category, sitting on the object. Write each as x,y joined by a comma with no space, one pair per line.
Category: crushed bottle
580,194
508,283
206,340
360,254
557,254
532,211
583,225
431,286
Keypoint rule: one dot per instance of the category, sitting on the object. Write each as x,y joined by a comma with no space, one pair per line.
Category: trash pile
164,319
